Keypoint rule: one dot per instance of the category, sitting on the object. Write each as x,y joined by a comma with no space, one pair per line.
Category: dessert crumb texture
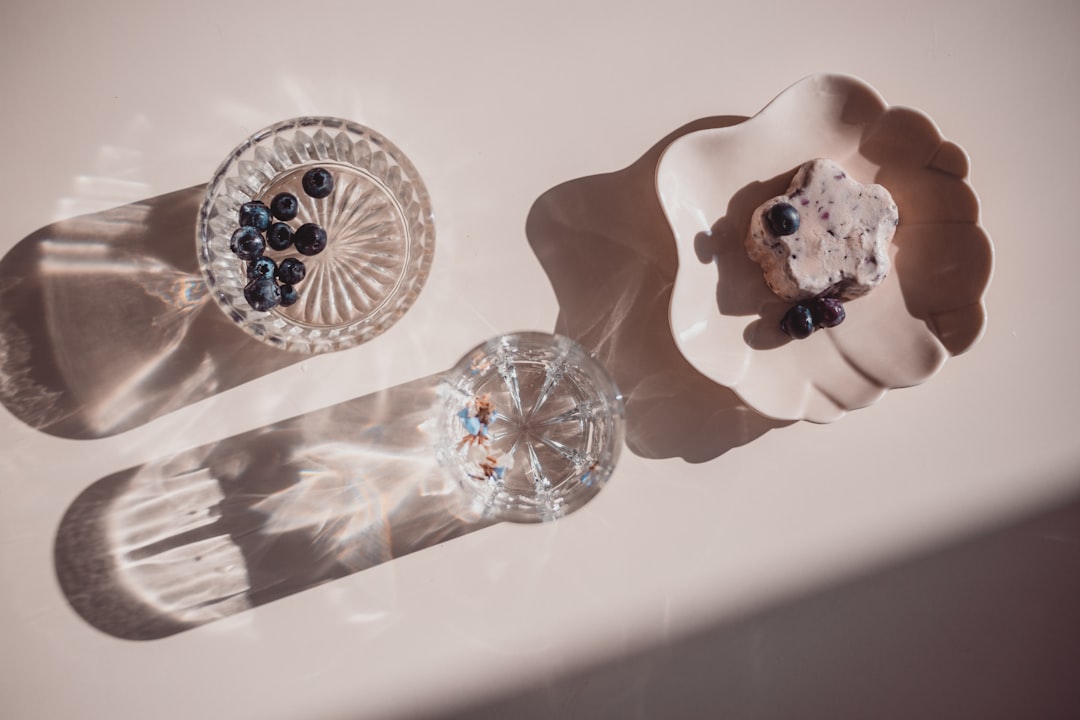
839,246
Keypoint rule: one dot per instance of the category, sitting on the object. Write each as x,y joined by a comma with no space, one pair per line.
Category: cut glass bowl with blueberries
316,234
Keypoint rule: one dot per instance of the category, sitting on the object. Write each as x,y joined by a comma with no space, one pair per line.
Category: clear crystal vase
531,425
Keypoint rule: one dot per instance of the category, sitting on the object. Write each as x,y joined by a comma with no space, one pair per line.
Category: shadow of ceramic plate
724,319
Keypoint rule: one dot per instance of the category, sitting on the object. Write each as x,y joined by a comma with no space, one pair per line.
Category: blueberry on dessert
318,182
783,219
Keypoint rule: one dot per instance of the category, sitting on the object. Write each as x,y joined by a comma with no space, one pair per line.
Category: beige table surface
108,104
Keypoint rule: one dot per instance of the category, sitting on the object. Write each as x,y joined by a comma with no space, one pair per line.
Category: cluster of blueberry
802,319
271,284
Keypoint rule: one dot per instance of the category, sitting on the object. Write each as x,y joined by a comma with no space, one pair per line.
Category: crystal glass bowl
378,221
531,425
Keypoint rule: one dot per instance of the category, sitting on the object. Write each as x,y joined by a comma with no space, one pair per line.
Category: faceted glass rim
397,176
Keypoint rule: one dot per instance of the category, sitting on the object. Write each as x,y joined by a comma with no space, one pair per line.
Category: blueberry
797,322
291,271
247,243
289,295
262,294
310,239
261,267
284,206
827,312
279,236
255,214
783,219
318,182
239,235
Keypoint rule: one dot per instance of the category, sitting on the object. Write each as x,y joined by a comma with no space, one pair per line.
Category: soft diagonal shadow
180,542
609,254
985,627
106,324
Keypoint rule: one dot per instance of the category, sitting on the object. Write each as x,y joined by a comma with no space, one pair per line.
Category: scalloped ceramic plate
723,317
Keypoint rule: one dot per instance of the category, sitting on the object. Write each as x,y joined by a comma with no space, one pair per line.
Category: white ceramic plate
724,318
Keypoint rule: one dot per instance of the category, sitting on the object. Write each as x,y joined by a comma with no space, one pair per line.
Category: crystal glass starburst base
378,223
531,425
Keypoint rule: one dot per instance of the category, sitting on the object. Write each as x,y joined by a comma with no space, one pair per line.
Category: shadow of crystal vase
527,427
176,543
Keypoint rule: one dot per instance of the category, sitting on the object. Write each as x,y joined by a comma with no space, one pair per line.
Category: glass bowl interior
531,425
378,221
